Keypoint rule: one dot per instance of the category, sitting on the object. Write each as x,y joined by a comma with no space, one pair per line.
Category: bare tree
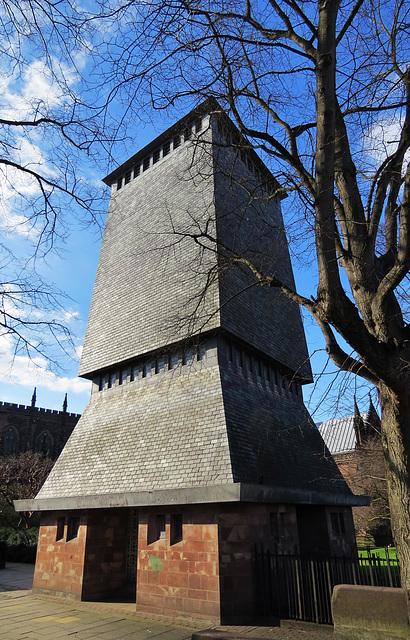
21,477
322,90
49,126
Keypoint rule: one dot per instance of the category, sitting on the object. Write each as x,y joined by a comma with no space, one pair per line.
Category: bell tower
196,424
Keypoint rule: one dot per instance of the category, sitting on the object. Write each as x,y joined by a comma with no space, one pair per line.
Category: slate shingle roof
339,434
210,424
159,433
198,426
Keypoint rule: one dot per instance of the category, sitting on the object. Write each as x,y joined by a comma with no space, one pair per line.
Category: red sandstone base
191,561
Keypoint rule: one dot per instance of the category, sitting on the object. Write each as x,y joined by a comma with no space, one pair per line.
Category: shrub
21,544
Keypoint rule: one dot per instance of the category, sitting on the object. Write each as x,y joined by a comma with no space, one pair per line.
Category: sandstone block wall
208,574
60,562
90,565
181,576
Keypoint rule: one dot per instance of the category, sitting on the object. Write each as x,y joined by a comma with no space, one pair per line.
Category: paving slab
24,616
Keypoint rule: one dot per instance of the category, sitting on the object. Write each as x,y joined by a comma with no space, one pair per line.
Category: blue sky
72,269
72,265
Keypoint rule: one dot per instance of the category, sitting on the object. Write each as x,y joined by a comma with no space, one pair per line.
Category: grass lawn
380,553
379,567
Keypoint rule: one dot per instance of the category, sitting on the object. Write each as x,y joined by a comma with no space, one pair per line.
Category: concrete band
236,492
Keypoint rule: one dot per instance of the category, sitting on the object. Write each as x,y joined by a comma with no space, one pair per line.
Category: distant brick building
196,444
355,444
30,428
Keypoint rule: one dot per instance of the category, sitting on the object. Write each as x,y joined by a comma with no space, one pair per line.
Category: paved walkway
24,616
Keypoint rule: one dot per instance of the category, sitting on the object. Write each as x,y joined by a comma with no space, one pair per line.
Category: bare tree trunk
396,448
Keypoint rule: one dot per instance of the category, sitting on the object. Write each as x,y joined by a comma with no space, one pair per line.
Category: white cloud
68,315
26,97
34,372
16,304
382,139
37,87
14,182
13,222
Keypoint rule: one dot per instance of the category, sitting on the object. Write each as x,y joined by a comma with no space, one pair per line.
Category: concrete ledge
234,492
218,634
370,613
275,629
57,595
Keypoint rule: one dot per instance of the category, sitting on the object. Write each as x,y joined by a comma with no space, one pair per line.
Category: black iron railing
300,588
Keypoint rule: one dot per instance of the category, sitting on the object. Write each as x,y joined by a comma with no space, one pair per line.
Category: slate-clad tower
196,443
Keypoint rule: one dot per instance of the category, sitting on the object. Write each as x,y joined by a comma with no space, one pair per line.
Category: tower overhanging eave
233,492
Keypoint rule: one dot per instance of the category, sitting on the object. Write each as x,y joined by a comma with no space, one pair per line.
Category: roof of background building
341,434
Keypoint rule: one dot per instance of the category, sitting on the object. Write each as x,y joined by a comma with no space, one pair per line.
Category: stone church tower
196,443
